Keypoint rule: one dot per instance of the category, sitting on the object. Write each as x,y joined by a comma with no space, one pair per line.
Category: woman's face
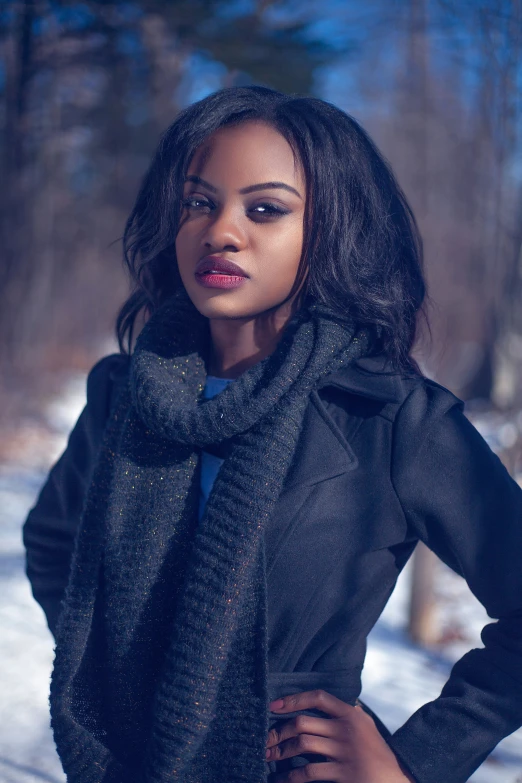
244,201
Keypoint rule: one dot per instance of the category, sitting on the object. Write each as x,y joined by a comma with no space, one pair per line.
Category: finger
324,770
304,724
318,698
307,743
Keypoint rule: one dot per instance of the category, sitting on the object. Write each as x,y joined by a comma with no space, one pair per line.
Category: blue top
209,463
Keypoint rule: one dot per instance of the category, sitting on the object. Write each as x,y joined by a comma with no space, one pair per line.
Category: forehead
247,153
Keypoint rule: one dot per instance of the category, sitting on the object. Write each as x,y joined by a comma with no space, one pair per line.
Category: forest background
87,87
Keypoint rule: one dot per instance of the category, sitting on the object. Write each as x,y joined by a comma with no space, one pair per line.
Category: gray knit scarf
160,670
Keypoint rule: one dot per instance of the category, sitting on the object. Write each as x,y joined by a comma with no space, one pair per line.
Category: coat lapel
324,450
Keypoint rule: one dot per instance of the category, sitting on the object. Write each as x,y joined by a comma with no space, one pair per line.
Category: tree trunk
421,620
15,188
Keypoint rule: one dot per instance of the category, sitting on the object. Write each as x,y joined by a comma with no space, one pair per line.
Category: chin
230,304
216,309
218,304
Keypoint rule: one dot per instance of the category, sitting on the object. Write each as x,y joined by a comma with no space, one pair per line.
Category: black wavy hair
362,247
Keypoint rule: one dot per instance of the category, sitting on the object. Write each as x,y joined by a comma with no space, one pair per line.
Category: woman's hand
350,740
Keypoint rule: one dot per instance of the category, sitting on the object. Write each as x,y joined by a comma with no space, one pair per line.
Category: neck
239,343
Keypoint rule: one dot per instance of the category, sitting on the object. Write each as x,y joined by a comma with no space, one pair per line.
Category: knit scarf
160,670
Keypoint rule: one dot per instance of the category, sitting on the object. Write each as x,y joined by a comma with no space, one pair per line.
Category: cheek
182,243
282,253
189,234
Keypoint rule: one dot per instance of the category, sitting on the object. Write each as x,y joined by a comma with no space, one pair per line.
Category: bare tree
89,88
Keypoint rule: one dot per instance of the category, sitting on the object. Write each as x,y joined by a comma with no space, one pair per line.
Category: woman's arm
461,501
50,528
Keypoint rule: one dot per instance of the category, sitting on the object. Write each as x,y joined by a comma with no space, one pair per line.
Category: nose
225,230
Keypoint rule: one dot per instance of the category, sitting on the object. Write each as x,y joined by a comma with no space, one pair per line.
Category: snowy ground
398,676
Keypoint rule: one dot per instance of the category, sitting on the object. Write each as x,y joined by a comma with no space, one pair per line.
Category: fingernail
267,754
276,704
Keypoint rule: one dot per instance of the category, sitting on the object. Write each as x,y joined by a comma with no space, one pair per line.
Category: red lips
219,264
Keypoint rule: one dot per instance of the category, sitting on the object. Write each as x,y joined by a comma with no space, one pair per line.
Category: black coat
382,462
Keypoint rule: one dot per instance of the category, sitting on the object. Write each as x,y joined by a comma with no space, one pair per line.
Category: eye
189,203
269,210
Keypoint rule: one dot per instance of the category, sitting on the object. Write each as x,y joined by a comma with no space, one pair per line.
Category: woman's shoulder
110,367
104,380
397,392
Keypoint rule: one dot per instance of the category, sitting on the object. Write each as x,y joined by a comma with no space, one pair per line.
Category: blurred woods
87,87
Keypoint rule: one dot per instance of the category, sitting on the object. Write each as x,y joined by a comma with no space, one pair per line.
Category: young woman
247,481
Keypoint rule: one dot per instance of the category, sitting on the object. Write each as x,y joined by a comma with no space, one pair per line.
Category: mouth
216,265
215,272
219,280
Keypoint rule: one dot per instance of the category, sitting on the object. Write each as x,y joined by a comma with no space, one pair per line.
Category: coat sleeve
459,499
50,527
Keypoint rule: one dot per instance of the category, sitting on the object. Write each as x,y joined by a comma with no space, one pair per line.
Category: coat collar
370,376
324,450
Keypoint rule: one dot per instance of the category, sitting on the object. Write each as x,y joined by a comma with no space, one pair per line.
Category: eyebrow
250,189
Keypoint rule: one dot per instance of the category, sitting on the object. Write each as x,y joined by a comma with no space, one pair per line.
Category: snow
26,648
398,675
